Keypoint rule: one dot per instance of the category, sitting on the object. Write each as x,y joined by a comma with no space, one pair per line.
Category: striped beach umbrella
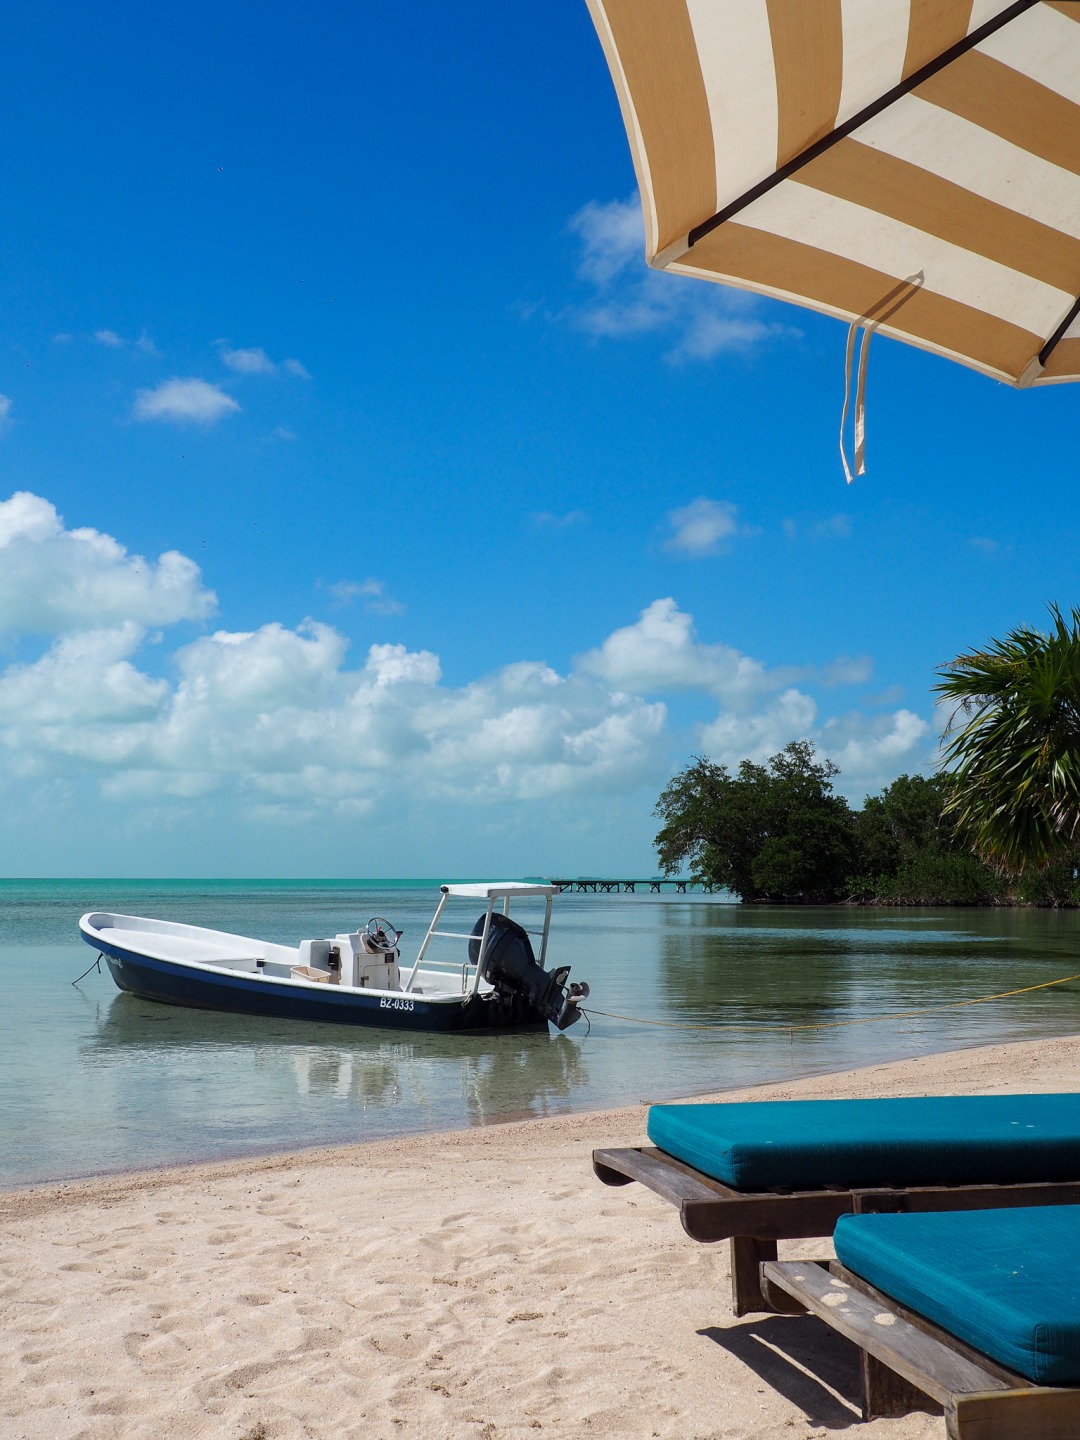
911,166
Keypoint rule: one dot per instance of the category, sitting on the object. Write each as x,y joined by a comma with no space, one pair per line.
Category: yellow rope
835,1024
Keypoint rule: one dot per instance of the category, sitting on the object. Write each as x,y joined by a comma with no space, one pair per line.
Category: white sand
480,1284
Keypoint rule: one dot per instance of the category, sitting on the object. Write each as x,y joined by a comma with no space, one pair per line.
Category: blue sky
474,529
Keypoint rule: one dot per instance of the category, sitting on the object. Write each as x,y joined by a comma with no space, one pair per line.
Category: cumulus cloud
282,724
700,528
190,401
760,707
255,361
95,665
54,580
628,299
660,653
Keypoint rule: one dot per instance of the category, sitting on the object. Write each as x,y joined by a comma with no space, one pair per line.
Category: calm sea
94,1081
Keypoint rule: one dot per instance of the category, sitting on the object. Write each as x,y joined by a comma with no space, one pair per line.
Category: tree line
999,824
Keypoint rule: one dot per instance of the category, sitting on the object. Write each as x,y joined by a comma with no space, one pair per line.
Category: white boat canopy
499,890
911,165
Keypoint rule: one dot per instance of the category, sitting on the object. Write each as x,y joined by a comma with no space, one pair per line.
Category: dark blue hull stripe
248,994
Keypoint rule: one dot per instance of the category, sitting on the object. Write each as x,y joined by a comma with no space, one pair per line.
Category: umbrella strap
857,465
868,323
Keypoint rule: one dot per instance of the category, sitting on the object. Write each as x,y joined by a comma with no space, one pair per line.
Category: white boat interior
448,965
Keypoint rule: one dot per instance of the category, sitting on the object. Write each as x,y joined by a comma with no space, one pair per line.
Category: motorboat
488,977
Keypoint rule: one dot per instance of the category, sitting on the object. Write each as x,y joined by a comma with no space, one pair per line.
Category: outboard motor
510,966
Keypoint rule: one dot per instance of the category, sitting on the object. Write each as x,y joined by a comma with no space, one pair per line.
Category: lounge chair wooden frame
903,1354
753,1221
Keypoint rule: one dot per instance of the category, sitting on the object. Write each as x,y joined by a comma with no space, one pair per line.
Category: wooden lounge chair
980,1311
758,1172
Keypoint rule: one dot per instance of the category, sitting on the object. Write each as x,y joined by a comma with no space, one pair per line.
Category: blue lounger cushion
1005,1281
933,1140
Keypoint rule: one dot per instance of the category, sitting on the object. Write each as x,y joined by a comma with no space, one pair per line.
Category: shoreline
266,1159
290,1155
477,1283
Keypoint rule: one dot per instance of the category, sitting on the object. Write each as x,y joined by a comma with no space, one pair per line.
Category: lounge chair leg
886,1394
747,1253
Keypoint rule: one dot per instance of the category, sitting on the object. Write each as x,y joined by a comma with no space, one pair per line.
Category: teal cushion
933,1140
1005,1281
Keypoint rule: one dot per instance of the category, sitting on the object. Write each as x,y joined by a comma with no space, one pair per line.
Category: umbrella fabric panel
951,215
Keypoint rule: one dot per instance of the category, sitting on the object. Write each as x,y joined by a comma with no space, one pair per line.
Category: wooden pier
587,885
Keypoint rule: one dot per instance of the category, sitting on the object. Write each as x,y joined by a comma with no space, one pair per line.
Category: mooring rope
833,1024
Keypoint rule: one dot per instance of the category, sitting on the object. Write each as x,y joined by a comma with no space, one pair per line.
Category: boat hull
173,983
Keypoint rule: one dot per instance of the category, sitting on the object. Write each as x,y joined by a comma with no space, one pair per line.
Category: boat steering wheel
379,931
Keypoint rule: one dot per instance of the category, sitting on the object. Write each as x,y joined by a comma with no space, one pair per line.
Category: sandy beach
480,1283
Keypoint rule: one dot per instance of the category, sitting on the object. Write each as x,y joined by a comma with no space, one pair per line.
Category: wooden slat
1003,1377
801,1216
924,1360
669,1177
711,1211
1025,1414
921,1199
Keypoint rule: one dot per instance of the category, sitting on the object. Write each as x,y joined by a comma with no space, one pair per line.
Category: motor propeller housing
510,966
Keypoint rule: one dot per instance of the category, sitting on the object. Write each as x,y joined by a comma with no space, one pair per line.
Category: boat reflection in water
309,1083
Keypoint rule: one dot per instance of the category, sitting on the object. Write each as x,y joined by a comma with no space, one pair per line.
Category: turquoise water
94,1081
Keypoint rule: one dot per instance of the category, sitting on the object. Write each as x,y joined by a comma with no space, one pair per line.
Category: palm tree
1013,739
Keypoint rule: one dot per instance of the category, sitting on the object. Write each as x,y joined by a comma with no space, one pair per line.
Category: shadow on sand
802,1359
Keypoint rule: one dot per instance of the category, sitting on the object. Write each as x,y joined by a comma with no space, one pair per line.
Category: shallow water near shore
94,1081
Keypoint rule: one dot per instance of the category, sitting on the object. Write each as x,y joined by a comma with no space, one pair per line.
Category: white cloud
249,362
5,410
698,529
371,592
255,361
185,401
612,237
660,653
871,750
628,299
55,581
276,724
847,670
94,665
115,341
761,708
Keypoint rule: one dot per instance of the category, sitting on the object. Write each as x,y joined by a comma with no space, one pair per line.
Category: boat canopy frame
493,894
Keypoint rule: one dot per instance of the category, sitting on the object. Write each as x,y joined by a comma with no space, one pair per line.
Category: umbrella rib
1051,344
874,108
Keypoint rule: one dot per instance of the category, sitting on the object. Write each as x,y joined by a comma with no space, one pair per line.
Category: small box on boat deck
308,972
